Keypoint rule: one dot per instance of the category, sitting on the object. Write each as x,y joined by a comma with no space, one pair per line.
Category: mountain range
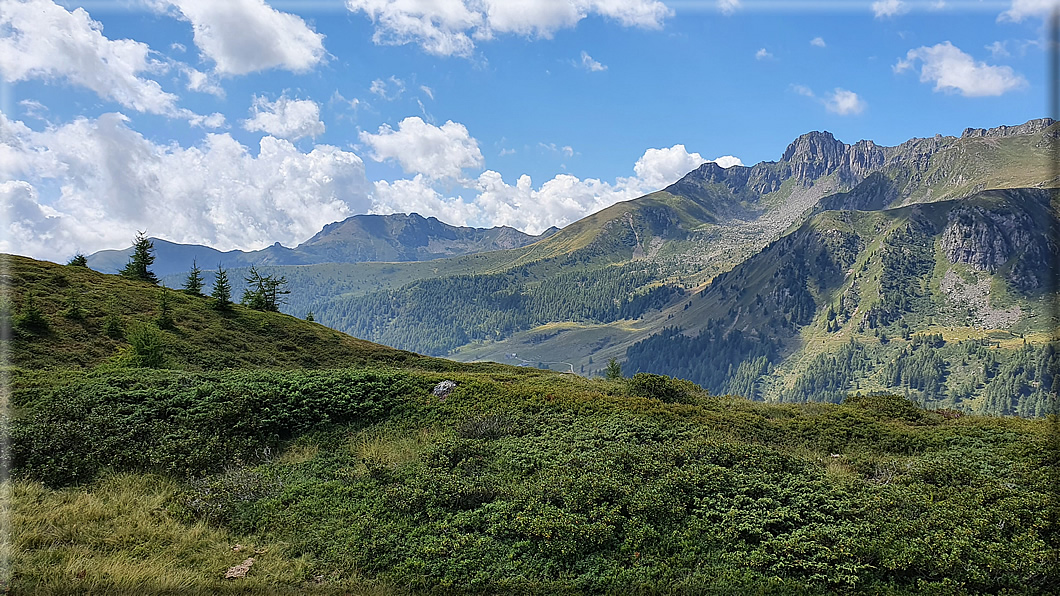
805,278
360,238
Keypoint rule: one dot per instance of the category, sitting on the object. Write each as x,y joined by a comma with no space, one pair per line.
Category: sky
241,123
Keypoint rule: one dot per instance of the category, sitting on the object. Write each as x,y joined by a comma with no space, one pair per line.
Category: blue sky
242,123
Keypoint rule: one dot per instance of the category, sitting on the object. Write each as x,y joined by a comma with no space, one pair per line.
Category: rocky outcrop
1006,240
1027,128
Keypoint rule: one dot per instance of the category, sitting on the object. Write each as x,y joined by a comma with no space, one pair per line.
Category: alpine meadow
397,317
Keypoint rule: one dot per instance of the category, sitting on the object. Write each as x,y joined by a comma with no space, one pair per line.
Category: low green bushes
188,423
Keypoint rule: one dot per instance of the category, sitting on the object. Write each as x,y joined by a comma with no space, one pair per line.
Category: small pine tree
309,316
193,284
112,326
614,370
74,311
164,320
222,290
141,259
264,292
79,260
30,318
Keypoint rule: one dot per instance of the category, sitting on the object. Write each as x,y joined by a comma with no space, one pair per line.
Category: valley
788,261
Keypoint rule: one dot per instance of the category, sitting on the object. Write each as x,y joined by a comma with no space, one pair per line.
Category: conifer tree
193,284
78,260
141,259
222,290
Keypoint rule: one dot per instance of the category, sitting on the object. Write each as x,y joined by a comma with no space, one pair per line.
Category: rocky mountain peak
1027,128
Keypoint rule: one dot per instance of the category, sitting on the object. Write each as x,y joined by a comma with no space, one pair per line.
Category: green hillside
89,320
368,477
865,300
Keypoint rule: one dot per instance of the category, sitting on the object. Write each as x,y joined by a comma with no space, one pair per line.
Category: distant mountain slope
360,238
839,304
703,225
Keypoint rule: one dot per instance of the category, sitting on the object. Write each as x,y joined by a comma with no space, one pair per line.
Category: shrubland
351,475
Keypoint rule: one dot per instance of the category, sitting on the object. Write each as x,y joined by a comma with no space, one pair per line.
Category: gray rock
443,389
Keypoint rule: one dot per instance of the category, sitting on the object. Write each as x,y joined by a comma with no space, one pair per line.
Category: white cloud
591,65
388,91
202,82
763,54
889,8
244,36
427,91
803,90
953,70
818,42
558,202
286,118
659,168
998,49
215,120
100,181
422,148
45,41
728,161
1022,9
844,102
451,27
729,6
419,196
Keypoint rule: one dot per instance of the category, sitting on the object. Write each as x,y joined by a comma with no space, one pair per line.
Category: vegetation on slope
91,319
538,483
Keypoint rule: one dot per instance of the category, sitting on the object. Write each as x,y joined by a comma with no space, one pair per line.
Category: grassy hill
358,474
90,318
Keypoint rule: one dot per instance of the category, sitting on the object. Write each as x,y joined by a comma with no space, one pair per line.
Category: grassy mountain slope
363,480
873,289
704,224
78,304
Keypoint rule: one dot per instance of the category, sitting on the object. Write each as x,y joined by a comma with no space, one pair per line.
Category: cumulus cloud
43,40
591,65
844,102
202,82
558,202
763,54
658,168
451,27
1022,9
818,42
92,183
419,196
889,8
954,71
286,118
421,148
840,101
244,36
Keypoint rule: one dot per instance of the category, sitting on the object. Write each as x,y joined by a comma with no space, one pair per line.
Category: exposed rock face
990,240
1028,128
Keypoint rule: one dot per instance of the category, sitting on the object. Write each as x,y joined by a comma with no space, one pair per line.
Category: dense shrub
188,424
662,388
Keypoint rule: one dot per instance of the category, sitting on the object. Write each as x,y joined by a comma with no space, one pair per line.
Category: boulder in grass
240,570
